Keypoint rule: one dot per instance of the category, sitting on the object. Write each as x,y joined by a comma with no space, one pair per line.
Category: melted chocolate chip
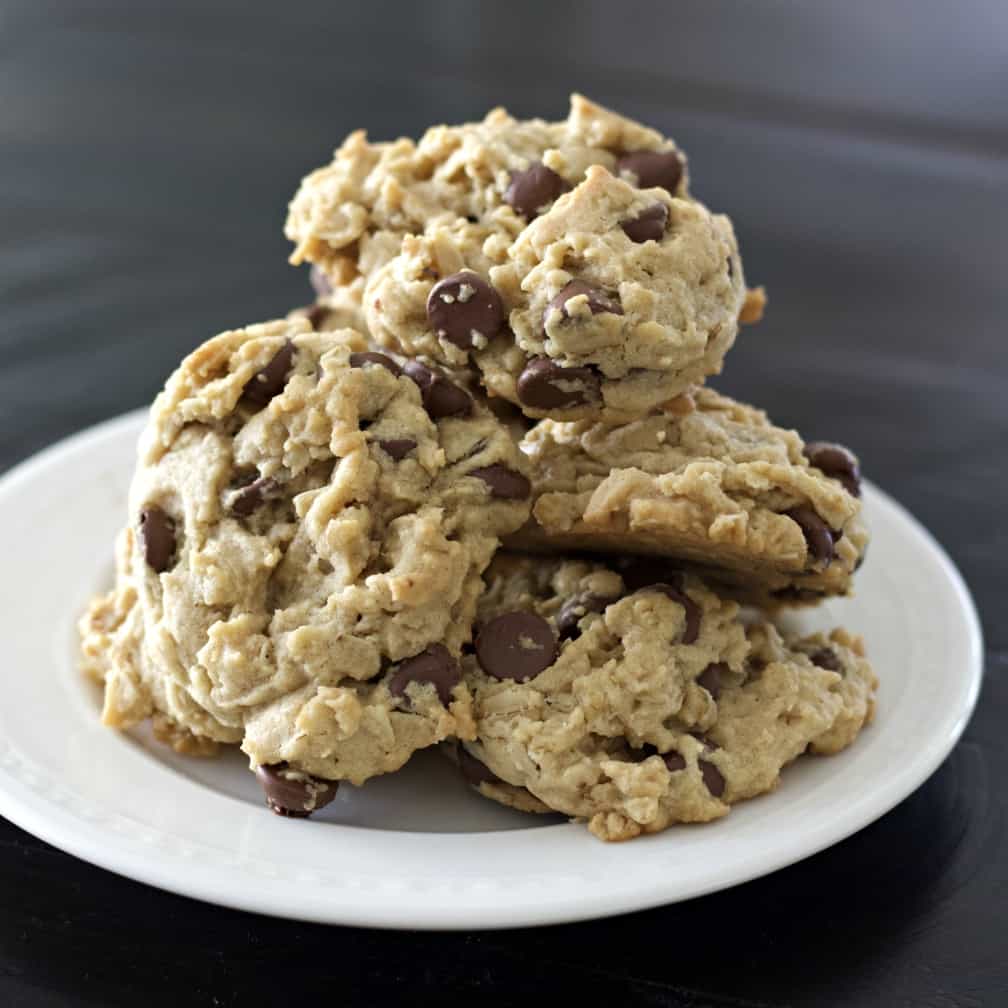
157,538
818,536
246,499
440,397
598,300
827,658
320,282
269,382
648,225
464,306
435,665
674,761
712,777
653,168
296,796
576,608
836,462
503,483
532,189
364,358
475,771
516,645
712,678
398,448
546,385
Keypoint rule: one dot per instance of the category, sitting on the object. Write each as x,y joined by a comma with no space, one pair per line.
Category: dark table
148,152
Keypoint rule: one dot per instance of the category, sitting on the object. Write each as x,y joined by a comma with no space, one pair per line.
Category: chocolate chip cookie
351,216
613,301
709,482
308,523
635,704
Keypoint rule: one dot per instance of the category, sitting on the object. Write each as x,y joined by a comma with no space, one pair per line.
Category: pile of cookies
478,495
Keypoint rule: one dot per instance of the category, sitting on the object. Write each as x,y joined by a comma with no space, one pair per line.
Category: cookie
637,705
708,482
350,216
308,523
613,301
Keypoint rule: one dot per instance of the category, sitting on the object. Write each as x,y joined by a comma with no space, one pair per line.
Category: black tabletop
148,151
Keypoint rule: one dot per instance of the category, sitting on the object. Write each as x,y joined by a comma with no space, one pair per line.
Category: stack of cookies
478,495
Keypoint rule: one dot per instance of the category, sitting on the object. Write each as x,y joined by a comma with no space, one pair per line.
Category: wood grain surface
147,152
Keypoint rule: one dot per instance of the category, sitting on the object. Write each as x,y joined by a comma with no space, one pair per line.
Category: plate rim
45,820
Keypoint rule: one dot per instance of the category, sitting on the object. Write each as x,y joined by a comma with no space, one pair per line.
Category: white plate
417,849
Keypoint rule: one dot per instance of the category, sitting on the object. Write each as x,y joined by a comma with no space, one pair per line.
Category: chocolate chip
598,301
475,771
398,448
707,743
818,536
836,462
245,500
754,669
464,306
712,678
646,751
532,189
320,282
295,796
826,658
440,397
648,225
653,168
674,761
362,359
516,645
640,571
546,385
268,382
314,313
576,608
692,610
503,482
652,572
712,777
435,665
157,538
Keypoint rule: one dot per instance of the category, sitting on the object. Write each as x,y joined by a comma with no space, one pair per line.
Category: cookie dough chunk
613,301
708,482
307,527
636,709
351,216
